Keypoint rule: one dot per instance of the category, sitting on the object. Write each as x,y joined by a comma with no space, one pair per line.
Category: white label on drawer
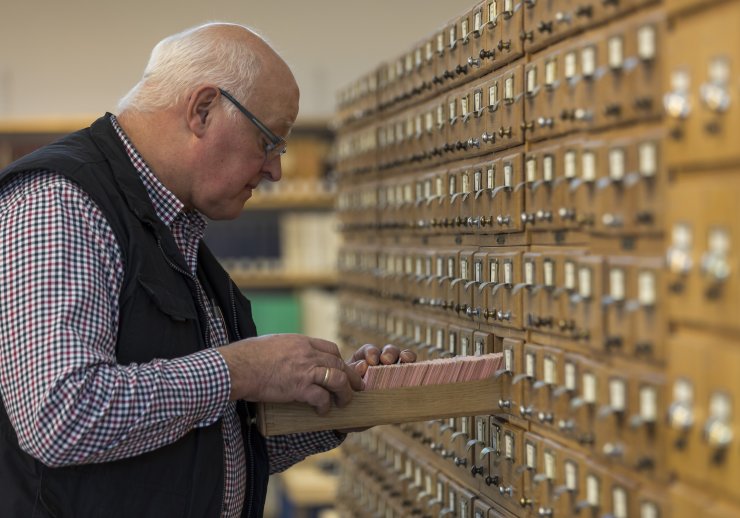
479,347
648,404
453,342
478,271
646,293
593,491
529,368
452,106
531,167
480,430
418,478
588,162
509,88
417,333
478,180
646,42
466,182
464,105
463,508
529,273
570,65
616,163
649,510
451,267
465,27
465,346
440,491
571,378
550,465
616,52
548,168
571,475
492,10
509,446
478,100
619,502
440,115
548,268
429,121
616,284
493,94
508,272
570,275
617,394
551,71
588,61
531,455
491,178
478,20
440,339
419,267
429,50
508,359
493,265
508,174
584,282
720,406
570,168
464,269
452,31
531,79
589,387
440,266
550,372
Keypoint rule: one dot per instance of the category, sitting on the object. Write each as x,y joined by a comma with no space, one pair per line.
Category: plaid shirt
61,272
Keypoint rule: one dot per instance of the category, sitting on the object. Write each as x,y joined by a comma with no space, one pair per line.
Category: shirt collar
167,206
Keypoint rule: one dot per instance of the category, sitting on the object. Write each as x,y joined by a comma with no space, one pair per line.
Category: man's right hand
288,367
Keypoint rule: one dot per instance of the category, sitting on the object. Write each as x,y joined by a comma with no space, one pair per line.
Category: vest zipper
248,453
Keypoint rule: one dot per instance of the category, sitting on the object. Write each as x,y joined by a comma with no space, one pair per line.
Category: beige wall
72,57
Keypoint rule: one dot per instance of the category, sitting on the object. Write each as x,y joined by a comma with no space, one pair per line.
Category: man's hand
369,354
286,367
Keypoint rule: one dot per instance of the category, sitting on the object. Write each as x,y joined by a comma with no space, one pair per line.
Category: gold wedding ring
326,377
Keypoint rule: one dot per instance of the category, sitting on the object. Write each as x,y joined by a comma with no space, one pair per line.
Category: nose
272,170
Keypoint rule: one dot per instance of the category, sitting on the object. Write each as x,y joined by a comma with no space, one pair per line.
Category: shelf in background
257,279
288,199
45,125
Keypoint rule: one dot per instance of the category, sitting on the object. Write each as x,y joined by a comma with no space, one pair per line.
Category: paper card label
548,168
478,100
616,163
616,52
593,496
619,502
571,378
463,509
496,438
550,371
531,168
493,94
464,105
571,475
588,162
570,275
492,10
452,187
418,476
682,236
508,360
548,268
588,61
529,273
440,339
453,342
551,71
550,465
617,394
508,272
584,282
508,174
720,406
478,20
493,265
616,284
478,180
531,455
409,468
646,293
428,335
509,446
479,347
491,177
440,266
570,62
429,121
465,346
648,159
429,50
509,6
509,89
409,65
452,32
649,510
440,115
464,425
453,499
478,271
452,105
648,404
397,461
529,368
646,42
480,430
531,80
440,43
440,491
417,333
683,391
451,267
464,27
466,182
569,164
589,388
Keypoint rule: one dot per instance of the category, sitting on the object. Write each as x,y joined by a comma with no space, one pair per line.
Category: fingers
318,398
367,352
360,367
325,346
341,383
407,356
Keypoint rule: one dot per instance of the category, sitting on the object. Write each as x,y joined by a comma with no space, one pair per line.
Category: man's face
231,162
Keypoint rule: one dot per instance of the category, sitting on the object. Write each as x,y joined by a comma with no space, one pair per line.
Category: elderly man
127,355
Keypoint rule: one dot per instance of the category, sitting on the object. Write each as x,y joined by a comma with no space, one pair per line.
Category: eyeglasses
276,146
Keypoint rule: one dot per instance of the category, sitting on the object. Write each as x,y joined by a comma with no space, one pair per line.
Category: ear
200,106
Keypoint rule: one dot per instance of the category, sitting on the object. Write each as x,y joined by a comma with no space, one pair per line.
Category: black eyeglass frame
277,145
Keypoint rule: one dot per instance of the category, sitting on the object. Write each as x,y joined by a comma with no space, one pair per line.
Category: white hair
183,61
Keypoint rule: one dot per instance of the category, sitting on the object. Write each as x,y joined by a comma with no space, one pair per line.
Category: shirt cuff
206,384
